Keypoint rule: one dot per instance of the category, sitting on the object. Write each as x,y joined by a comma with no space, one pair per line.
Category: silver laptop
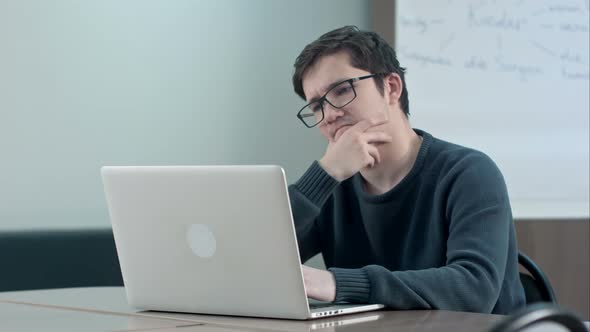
210,240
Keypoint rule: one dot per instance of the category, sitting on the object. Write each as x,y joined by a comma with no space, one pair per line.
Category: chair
539,313
45,259
537,287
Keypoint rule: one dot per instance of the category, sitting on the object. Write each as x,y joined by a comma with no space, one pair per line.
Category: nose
331,113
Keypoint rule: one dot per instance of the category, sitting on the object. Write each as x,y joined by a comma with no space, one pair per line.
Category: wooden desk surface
28,318
106,309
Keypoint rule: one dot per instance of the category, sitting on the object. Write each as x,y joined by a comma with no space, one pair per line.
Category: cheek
372,108
362,107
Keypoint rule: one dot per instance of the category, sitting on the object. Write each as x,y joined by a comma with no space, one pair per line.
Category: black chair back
537,287
537,314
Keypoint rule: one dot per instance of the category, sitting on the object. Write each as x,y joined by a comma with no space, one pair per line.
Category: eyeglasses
339,95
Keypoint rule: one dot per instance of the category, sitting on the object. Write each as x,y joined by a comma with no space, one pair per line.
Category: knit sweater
443,238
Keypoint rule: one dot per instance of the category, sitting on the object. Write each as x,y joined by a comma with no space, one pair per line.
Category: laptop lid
206,239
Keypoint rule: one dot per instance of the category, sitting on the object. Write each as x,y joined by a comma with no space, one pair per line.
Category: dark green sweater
443,238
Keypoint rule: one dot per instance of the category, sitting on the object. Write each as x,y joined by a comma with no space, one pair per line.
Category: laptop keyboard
320,305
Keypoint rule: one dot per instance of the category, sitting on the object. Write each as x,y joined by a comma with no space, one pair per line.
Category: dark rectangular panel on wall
382,22
561,249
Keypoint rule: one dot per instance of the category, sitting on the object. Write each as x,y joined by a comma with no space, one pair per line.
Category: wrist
330,170
331,287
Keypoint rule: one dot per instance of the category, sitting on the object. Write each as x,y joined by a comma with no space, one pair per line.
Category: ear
393,86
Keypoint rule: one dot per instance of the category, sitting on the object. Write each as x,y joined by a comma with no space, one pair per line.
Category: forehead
327,70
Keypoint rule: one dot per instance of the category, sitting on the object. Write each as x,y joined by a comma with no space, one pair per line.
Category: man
402,218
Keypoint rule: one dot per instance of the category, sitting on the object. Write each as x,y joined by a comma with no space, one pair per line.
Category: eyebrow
330,86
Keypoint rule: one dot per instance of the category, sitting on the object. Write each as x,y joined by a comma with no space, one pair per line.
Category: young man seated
401,218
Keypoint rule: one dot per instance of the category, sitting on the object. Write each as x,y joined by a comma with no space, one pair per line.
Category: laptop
210,240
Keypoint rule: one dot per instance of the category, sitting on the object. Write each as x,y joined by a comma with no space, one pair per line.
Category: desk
106,309
26,318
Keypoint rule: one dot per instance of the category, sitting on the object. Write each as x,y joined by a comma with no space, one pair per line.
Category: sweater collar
405,182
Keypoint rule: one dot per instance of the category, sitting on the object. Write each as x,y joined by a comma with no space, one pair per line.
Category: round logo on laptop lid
201,240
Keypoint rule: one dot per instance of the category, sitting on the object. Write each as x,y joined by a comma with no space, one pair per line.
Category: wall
562,251
90,83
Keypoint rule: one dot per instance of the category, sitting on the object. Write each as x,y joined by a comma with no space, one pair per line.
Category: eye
343,90
316,107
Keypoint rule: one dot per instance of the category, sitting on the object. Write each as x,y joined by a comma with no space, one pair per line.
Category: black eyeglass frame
323,98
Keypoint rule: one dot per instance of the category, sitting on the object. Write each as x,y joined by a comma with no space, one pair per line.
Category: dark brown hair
367,51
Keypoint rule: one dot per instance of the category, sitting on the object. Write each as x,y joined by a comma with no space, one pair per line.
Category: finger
375,158
304,270
363,125
377,137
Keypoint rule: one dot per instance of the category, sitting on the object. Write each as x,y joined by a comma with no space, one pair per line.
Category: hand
319,284
354,150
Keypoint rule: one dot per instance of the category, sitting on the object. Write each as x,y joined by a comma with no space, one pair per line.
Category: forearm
454,287
307,197
470,280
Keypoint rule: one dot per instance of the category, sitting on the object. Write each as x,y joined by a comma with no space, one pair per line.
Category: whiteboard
509,78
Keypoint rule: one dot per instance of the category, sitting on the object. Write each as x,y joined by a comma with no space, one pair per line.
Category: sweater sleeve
307,197
479,216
